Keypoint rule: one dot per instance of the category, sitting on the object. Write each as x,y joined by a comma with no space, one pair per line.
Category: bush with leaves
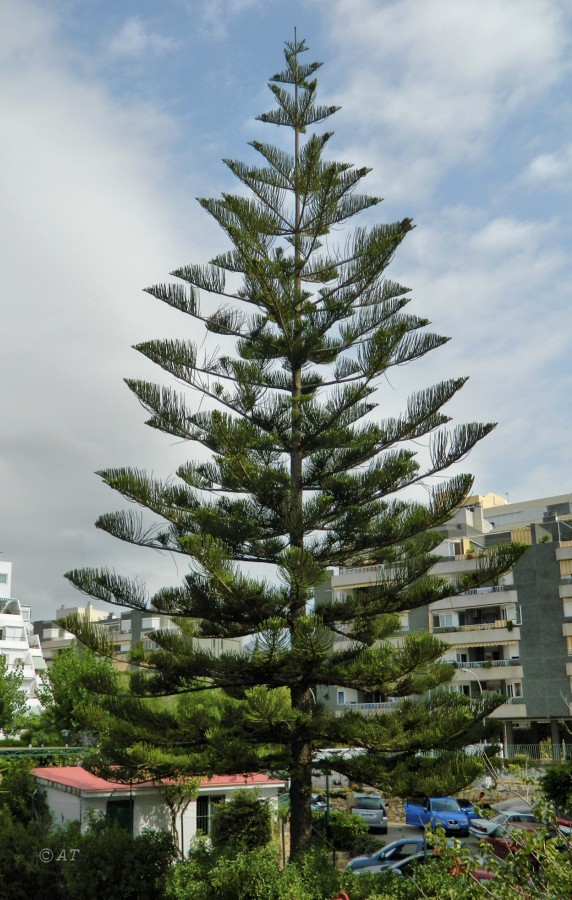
113,864
20,795
346,832
241,824
557,785
256,875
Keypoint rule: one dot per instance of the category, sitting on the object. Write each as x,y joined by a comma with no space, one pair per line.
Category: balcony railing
493,589
487,664
371,707
500,623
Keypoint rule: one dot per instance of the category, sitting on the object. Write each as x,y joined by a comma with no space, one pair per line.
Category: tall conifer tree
302,477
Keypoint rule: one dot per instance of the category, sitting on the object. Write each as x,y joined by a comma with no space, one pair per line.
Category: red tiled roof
76,777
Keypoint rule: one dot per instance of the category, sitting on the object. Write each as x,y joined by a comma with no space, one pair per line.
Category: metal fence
532,752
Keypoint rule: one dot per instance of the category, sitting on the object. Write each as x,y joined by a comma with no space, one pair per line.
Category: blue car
434,812
471,811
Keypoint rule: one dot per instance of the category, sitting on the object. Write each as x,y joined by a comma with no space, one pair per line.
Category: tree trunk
301,797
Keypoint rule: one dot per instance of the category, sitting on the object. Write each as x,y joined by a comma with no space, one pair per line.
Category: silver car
371,809
481,828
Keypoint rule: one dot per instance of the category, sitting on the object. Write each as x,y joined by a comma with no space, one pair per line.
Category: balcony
512,708
489,670
488,664
486,603
479,626
386,706
564,550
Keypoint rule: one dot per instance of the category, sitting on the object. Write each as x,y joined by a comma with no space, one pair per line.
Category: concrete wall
543,649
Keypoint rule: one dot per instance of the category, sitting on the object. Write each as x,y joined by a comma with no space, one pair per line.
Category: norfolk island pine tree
302,476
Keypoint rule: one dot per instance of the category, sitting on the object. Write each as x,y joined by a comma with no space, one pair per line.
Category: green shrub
20,794
241,824
347,832
111,863
557,785
254,875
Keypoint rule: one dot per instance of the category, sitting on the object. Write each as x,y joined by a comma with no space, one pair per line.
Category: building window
205,809
341,698
443,620
120,812
3,578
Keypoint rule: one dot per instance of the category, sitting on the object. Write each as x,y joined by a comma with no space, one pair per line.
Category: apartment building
18,644
513,637
124,630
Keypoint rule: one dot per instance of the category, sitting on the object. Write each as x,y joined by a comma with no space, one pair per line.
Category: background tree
300,476
68,686
13,697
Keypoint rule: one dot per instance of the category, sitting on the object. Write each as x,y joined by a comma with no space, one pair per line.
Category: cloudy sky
115,115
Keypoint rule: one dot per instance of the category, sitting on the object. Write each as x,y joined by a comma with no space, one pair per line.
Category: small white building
72,793
18,643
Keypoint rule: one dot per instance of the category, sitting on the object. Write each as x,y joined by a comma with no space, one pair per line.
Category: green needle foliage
300,474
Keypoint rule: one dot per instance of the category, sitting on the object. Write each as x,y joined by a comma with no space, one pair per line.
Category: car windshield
446,806
368,803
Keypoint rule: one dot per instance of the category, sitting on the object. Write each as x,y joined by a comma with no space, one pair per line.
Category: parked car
406,868
481,828
505,839
437,811
371,808
392,853
319,803
402,867
389,854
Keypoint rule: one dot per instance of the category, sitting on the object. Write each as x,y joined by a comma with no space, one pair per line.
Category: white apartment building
513,637
18,644
124,630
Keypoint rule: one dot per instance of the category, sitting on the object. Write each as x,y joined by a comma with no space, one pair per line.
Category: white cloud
136,39
439,76
87,220
507,235
550,168
215,14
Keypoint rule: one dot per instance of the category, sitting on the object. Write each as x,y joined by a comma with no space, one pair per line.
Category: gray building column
508,738
555,738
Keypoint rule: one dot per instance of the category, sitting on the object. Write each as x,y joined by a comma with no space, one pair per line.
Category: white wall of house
149,810
63,805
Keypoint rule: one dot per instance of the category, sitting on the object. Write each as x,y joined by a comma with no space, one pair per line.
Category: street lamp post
475,676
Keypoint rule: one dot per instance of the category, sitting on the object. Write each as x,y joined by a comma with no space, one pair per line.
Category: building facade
18,644
125,631
513,637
